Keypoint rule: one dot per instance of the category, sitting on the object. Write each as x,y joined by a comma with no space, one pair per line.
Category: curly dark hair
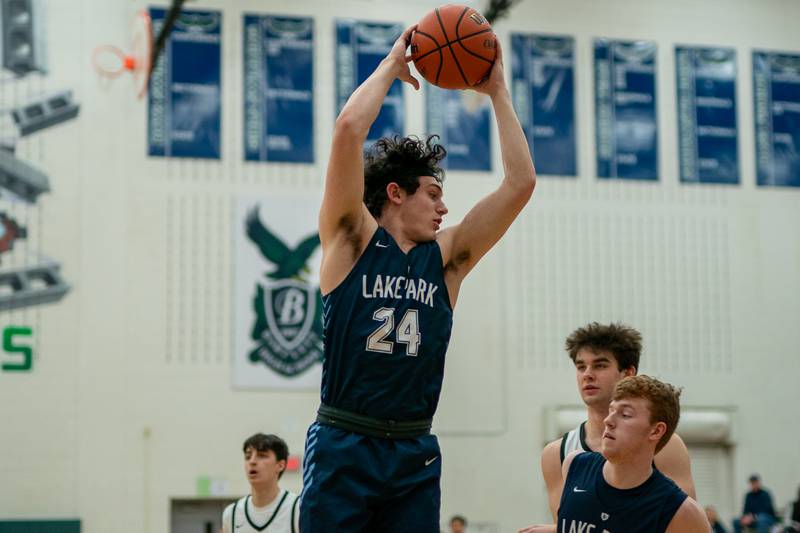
401,160
624,342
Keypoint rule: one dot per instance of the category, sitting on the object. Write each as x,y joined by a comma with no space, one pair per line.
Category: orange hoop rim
110,49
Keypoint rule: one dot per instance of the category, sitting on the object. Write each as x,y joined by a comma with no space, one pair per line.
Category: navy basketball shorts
354,483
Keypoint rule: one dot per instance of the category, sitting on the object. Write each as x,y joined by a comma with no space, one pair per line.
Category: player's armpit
673,461
690,518
551,471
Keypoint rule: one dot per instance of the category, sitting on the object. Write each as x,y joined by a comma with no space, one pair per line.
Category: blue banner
776,97
184,96
278,88
707,135
360,47
461,119
625,109
543,83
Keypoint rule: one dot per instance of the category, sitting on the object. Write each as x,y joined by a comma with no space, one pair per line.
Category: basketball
453,47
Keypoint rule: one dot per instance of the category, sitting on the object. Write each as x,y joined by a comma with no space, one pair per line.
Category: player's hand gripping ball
453,47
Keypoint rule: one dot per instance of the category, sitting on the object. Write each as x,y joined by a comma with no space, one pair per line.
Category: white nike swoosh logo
576,489
379,245
429,461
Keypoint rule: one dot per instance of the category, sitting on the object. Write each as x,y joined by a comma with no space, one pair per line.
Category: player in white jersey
603,355
268,508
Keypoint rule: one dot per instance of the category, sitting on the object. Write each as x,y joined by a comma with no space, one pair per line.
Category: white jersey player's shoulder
574,440
282,516
227,514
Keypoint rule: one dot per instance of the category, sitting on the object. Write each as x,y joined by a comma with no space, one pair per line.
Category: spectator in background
758,513
458,524
794,518
713,520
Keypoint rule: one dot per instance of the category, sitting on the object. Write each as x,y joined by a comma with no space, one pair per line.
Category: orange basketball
453,47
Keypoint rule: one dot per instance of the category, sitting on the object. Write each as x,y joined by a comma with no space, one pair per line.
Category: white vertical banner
277,310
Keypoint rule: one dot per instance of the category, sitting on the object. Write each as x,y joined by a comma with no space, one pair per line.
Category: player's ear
394,192
658,431
630,371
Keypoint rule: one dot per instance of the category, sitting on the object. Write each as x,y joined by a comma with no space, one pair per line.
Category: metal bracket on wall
21,178
22,38
31,285
44,112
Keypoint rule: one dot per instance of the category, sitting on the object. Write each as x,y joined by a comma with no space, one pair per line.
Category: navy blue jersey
590,504
386,330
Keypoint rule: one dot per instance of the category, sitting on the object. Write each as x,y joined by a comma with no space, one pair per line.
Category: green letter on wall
26,351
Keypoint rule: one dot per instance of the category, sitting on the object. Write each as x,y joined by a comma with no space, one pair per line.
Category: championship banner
461,119
277,308
625,109
776,97
184,95
707,135
360,47
278,89
543,84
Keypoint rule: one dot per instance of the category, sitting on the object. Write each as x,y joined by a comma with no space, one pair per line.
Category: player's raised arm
343,212
491,217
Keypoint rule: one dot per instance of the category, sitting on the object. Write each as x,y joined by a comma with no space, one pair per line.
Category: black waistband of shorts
373,427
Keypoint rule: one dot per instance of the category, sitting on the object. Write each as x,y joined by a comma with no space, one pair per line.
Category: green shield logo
288,325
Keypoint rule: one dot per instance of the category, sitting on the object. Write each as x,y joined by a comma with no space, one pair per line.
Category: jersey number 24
407,332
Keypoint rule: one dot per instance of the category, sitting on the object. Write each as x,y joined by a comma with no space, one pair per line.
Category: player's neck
263,495
628,473
594,425
394,226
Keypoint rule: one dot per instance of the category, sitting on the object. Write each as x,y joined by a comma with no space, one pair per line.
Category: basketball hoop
110,61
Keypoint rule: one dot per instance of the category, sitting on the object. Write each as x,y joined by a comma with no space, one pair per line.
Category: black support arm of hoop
498,9
172,15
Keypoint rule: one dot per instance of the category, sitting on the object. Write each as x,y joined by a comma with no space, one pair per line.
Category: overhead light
21,179
22,41
44,112
31,285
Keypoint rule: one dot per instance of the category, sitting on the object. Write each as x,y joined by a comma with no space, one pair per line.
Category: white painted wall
130,398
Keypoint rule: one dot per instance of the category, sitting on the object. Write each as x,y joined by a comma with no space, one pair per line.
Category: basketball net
110,61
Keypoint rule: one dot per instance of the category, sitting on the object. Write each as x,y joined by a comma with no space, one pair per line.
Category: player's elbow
524,186
345,123
349,125
530,183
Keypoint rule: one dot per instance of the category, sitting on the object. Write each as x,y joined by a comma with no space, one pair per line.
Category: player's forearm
517,163
364,104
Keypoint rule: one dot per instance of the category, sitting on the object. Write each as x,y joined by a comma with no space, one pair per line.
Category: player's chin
593,398
609,452
427,236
